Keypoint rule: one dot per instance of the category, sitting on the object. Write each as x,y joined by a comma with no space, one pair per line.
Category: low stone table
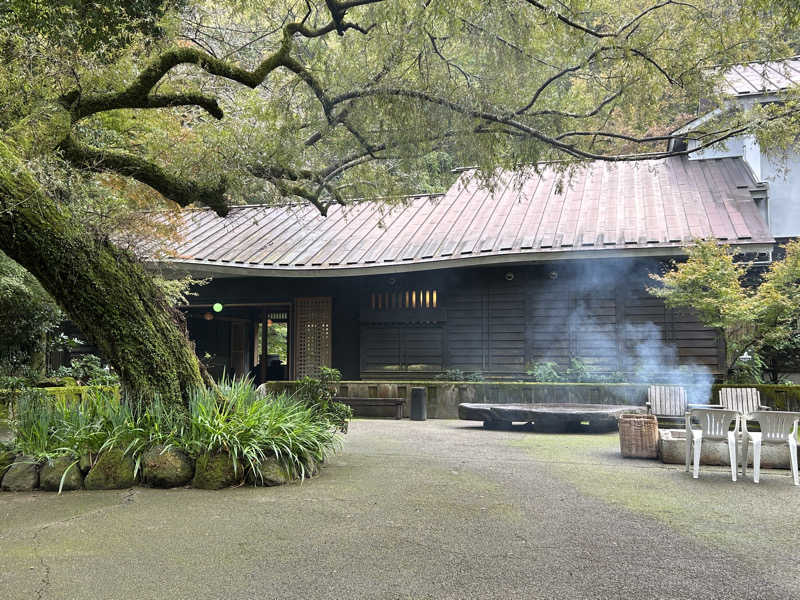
552,418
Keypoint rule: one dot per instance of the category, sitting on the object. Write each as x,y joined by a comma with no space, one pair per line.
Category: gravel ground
418,510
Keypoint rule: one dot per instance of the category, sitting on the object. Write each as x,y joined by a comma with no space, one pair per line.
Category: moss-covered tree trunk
102,288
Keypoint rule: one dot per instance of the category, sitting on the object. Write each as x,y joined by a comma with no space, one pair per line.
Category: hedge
77,392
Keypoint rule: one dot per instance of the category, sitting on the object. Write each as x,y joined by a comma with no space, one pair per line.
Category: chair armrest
762,407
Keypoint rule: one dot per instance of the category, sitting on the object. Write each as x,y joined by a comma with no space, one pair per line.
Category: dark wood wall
495,320
501,320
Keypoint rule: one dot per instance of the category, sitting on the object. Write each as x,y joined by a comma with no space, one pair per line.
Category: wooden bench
355,403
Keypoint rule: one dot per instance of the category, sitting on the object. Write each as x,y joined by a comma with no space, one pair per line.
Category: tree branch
175,188
591,113
136,95
98,104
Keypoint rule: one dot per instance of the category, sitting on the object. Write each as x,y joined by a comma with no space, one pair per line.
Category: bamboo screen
312,348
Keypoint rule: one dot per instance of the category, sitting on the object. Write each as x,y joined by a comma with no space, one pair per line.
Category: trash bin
638,435
419,404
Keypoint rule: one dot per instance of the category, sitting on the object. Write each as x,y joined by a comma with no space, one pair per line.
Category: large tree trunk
102,288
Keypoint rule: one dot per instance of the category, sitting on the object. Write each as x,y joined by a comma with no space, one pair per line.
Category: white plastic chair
714,424
777,427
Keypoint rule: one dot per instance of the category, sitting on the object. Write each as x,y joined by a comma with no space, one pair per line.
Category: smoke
629,343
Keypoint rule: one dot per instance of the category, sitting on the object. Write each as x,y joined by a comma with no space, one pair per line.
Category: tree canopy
329,101
754,316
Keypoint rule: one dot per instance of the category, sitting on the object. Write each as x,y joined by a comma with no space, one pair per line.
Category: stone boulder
21,476
112,471
52,471
214,471
7,457
268,472
166,468
312,467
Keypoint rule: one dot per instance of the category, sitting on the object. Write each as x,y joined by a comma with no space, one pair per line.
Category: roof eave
216,269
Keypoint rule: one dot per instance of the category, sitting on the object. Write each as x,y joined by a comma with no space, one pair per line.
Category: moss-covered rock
215,471
21,476
6,459
268,472
52,471
166,468
112,471
312,467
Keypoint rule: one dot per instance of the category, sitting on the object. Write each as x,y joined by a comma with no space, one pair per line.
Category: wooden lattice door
312,336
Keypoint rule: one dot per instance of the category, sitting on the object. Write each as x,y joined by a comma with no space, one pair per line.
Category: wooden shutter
312,336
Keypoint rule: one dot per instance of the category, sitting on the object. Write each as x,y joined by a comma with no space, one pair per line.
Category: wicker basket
638,436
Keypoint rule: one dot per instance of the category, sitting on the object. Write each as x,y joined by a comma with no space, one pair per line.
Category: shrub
459,375
545,372
88,369
317,394
251,427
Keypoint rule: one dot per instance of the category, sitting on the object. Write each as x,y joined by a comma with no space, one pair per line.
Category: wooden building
543,266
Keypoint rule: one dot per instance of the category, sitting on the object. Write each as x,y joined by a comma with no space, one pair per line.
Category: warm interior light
208,316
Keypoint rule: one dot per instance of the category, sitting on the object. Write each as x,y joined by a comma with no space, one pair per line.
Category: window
417,299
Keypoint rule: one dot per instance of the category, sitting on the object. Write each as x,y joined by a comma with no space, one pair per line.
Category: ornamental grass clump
46,426
233,420
252,428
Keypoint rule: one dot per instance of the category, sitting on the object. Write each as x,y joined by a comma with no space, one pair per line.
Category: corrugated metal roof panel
762,77
617,207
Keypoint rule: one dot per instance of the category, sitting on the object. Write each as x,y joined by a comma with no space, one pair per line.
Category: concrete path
409,510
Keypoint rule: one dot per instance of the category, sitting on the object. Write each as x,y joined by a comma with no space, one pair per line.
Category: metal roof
762,77
604,209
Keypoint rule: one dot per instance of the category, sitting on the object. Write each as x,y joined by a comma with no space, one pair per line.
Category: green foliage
93,26
29,314
545,372
277,341
177,291
317,395
577,372
246,425
712,284
88,369
251,427
46,426
747,372
459,375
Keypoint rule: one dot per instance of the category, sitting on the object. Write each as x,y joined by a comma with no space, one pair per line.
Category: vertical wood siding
500,327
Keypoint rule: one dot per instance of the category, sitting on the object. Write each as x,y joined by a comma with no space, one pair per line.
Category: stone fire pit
551,418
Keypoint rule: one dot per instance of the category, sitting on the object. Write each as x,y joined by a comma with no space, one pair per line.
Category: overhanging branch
177,189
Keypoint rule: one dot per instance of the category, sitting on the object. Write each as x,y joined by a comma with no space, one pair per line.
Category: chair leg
756,459
793,460
745,450
689,440
733,454
697,447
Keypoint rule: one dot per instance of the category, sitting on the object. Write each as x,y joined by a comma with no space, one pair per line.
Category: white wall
783,179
